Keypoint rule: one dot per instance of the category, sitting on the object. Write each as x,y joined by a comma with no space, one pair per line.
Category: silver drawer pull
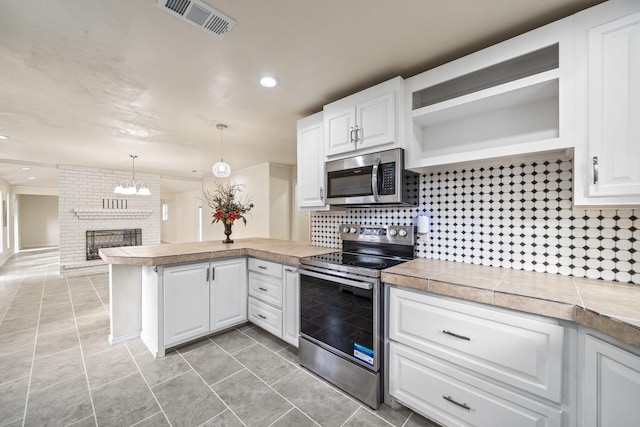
262,267
290,270
263,289
462,337
461,405
262,316
595,170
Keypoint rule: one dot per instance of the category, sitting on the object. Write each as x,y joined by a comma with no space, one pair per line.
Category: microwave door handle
374,180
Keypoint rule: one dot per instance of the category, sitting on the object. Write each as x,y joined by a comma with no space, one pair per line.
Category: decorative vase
227,232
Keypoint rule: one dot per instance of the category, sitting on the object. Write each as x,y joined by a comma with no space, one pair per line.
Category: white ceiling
89,82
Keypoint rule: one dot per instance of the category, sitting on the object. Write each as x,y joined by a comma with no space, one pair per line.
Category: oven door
342,315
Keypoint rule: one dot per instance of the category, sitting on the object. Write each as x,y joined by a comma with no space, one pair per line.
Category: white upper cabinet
365,120
311,171
607,78
512,98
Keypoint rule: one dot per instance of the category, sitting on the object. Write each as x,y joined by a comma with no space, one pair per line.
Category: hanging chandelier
131,188
221,169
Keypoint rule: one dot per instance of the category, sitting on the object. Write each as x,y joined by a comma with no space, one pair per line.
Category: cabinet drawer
265,267
439,391
518,350
266,288
265,316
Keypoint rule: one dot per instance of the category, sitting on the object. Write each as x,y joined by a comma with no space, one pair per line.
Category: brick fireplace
87,203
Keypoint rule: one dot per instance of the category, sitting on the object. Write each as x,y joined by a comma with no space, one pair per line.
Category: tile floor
57,368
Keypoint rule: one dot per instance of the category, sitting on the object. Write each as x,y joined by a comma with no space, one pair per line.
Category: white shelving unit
511,99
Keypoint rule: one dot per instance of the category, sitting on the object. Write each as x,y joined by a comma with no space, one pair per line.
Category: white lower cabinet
610,385
228,294
291,305
186,302
273,299
444,393
466,364
195,300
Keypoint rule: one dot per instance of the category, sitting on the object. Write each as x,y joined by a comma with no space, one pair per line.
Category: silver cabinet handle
352,138
263,289
262,267
461,405
262,316
321,193
213,274
290,270
595,169
207,274
462,337
358,131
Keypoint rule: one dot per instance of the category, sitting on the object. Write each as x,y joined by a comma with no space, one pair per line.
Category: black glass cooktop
357,260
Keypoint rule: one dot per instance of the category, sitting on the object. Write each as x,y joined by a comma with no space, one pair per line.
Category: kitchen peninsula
609,307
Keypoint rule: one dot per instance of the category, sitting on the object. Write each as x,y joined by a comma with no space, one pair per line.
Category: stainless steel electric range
341,307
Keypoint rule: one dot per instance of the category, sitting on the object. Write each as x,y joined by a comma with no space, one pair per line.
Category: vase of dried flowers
227,206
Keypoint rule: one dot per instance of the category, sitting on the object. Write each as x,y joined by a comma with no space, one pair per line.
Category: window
165,211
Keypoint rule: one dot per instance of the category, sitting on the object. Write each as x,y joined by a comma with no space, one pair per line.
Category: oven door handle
355,283
374,180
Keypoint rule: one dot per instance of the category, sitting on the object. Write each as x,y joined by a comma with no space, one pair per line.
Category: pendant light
221,169
131,188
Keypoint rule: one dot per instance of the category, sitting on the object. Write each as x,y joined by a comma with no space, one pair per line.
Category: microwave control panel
388,174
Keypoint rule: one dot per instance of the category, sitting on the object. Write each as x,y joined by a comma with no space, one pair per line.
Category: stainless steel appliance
341,308
369,179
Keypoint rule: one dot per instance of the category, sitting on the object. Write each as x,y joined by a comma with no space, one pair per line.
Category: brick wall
85,188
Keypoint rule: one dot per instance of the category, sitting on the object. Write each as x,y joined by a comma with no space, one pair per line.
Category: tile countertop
283,251
609,307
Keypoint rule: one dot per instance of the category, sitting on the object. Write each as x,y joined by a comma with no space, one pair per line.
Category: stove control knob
393,231
402,233
345,230
353,230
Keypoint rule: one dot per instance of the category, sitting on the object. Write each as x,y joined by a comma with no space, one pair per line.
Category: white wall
7,242
256,182
38,219
280,202
186,216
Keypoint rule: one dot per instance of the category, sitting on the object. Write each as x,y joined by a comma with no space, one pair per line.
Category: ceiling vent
200,14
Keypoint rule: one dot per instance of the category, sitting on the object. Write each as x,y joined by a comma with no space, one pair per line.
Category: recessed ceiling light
25,168
32,177
268,81
4,137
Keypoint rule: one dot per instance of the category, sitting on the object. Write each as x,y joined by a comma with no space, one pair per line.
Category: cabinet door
611,385
228,299
339,130
376,124
186,303
608,104
291,306
311,162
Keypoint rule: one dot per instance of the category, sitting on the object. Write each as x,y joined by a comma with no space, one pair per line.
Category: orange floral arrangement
226,206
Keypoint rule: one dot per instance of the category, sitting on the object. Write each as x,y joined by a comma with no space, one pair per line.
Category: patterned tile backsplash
516,216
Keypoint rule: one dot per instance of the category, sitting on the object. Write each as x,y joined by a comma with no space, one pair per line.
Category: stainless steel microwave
369,179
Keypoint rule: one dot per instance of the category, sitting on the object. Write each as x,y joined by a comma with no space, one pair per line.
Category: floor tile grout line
147,384
33,358
211,388
268,386
84,364
98,294
149,417
299,367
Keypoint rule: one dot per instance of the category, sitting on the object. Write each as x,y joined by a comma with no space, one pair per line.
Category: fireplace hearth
97,239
